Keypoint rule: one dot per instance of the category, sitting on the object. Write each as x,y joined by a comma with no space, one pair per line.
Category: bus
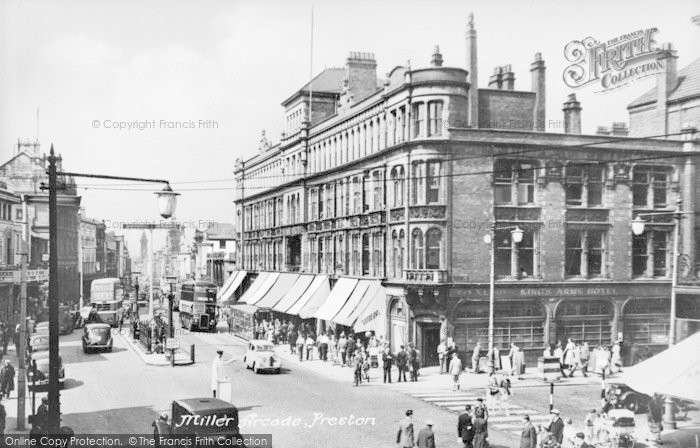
198,305
106,294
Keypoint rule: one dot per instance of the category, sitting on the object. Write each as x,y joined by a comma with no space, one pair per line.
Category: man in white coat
218,372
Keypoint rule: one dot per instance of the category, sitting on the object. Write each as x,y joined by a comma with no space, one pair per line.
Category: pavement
182,357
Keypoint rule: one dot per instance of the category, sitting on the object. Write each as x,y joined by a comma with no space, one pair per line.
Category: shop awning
254,286
245,308
338,297
313,298
294,293
361,296
259,293
279,289
372,317
674,371
225,295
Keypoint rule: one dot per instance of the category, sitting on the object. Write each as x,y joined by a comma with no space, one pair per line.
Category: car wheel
632,405
277,371
255,368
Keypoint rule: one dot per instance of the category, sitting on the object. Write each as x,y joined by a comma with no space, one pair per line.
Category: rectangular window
660,252
314,204
503,253
650,186
596,251
321,203
378,198
356,196
394,128
434,118
418,113
660,184
526,254
367,194
418,183
526,184
640,187
596,178
503,182
574,185
574,251
432,194
639,255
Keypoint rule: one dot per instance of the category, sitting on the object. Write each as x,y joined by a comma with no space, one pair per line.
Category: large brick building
400,180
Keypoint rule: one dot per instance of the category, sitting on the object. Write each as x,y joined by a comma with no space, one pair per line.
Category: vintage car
622,396
38,342
38,371
198,416
97,337
261,357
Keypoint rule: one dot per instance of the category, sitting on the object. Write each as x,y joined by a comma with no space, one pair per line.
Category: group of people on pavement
406,436
573,356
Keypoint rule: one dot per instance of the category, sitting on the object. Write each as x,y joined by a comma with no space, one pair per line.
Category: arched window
417,261
395,254
365,254
433,242
402,245
397,177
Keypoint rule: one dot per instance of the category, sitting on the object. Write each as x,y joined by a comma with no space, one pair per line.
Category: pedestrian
3,417
349,349
591,422
616,361
426,437
441,351
342,347
481,405
402,363
655,413
310,347
518,361
511,357
569,434
405,435
481,431
584,356
218,372
556,426
323,347
387,363
7,379
300,346
581,442
465,429
42,414
476,354
455,370
559,354
528,438
413,362
229,322
292,337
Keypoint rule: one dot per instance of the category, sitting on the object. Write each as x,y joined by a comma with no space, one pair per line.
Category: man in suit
387,362
402,363
465,431
556,426
405,435
528,438
426,437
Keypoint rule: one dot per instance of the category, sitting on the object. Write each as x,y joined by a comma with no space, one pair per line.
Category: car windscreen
99,330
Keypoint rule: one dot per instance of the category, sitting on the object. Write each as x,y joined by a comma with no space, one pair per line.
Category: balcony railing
425,276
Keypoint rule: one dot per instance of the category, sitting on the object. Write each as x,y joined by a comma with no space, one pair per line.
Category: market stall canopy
343,316
225,295
279,289
294,293
373,315
336,299
674,372
313,299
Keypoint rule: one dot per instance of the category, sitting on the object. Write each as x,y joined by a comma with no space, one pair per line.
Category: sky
86,66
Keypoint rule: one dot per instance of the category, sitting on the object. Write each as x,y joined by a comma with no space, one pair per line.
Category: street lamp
638,226
490,238
166,198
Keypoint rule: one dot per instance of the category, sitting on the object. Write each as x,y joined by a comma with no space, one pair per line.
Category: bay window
433,243
417,260
397,178
434,118
418,113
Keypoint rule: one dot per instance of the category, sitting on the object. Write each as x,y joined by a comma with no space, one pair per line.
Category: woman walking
7,379
480,428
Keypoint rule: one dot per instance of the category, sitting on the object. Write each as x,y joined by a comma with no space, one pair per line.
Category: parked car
261,357
223,424
38,374
97,337
621,396
38,342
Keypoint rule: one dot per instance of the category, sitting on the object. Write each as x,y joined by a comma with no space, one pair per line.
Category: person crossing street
387,363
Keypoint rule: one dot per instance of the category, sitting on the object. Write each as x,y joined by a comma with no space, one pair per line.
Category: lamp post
638,227
166,203
171,322
490,238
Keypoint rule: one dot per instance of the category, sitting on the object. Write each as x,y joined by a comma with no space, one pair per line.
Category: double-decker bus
106,294
198,305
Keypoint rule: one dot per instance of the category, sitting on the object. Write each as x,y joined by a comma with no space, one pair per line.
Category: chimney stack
667,79
508,78
537,70
436,61
472,74
572,115
619,129
361,75
496,80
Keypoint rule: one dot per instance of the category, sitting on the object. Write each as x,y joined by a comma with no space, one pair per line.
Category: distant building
11,215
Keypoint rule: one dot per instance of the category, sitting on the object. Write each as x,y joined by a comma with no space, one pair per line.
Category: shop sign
7,276
561,291
370,317
33,275
659,339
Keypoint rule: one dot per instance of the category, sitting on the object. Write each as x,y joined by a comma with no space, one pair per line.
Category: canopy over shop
232,289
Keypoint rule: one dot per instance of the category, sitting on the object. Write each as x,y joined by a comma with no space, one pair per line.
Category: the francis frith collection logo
613,63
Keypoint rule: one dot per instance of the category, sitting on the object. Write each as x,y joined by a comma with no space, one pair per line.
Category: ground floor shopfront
535,316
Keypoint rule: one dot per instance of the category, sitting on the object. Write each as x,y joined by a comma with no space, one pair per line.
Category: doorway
429,340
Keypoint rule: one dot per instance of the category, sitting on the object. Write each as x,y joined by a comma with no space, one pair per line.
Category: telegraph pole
21,356
54,417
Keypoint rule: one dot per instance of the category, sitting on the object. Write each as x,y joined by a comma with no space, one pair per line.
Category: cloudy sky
85,65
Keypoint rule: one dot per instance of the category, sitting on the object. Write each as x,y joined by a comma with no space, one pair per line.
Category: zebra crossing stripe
515,418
